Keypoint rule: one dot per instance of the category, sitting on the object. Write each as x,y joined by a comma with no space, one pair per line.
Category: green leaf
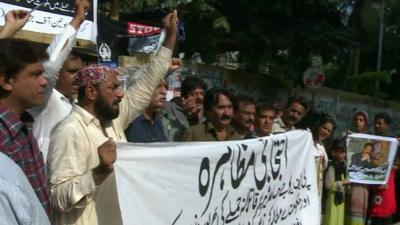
222,23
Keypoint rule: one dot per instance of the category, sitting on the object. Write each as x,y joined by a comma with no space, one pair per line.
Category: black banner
117,38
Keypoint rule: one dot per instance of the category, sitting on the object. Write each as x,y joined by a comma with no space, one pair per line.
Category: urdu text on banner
269,180
52,16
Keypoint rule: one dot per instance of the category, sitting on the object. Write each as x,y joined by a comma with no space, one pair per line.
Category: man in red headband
82,146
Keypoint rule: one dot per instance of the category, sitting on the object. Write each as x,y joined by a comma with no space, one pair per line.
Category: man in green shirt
219,110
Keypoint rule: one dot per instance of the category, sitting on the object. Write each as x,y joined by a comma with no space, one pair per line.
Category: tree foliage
366,82
282,35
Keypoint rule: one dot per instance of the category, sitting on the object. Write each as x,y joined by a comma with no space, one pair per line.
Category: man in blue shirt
18,202
148,127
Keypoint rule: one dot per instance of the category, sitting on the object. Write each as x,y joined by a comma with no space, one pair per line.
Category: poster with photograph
370,158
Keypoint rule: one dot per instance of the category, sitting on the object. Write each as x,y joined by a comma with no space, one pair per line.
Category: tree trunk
115,9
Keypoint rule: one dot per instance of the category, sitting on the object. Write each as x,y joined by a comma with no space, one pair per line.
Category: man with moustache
382,123
265,115
244,110
82,146
184,111
60,71
148,127
296,109
218,109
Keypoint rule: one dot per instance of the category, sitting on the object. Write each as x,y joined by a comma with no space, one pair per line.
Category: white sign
370,158
269,180
52,18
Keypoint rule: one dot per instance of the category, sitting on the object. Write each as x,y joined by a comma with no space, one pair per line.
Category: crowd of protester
57,108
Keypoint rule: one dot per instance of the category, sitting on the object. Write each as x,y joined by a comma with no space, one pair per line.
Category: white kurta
279,127
55,106
73,154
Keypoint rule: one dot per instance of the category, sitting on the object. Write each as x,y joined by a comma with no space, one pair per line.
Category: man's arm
62,44
169,23
59,50
14,21
138,96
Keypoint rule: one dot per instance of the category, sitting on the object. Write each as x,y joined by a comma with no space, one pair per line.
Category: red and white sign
313,77
138,29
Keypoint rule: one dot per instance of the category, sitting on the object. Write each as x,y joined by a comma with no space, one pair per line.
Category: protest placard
370,158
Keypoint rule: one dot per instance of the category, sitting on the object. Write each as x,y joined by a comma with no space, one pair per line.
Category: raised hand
81,8
191,106
14,21
169,23
176,64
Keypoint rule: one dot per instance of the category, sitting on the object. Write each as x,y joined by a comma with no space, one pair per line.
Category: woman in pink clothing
359,193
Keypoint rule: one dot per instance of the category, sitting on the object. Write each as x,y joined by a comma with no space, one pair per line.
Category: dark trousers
381,220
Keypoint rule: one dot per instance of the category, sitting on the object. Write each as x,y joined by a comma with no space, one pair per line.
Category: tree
283,35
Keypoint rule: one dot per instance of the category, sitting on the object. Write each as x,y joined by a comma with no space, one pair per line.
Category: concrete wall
342,104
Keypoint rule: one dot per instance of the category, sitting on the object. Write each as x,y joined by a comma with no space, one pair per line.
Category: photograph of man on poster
363,158
370,158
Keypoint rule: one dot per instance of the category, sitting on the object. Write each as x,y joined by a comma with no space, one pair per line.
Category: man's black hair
191,83
241,98
212,96
385,116
15,54
298,99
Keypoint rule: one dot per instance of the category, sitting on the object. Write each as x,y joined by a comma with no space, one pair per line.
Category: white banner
269,180
52,17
